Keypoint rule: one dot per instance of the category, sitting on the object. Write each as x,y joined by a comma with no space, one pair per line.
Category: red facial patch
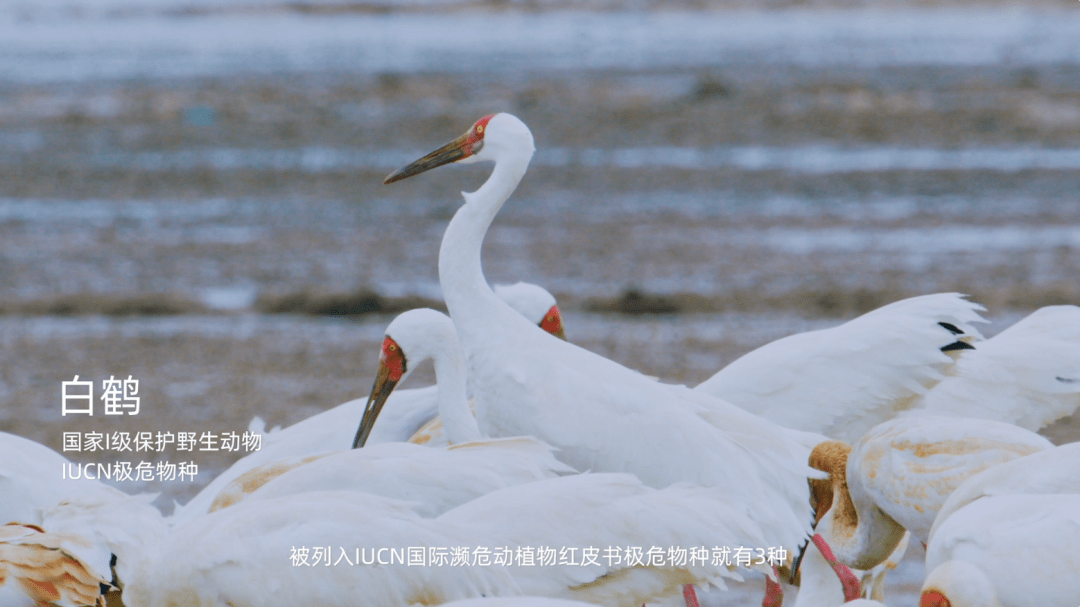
392,358
933,598
476,133
552,322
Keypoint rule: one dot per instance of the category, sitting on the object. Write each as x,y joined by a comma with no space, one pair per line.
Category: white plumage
38,568
124,526
910,466
899,476
1055,470
32,479
913,465
1006,551
241,555
335,428
613,511
1027,375
107,520
601,415
609,511
842,381
437,479
320,433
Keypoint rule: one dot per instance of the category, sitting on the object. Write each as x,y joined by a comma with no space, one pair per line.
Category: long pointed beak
798,562
451,152
380,391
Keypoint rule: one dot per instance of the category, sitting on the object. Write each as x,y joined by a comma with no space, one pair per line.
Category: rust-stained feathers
37,564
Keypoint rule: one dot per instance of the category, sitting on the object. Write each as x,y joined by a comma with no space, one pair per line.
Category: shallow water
816,160
75,45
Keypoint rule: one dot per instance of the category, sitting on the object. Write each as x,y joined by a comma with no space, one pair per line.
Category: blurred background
190,190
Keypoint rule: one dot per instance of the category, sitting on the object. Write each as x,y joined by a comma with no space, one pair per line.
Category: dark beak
793,578
451,152
380,391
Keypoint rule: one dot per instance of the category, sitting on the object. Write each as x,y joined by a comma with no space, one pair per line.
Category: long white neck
451,374
466,291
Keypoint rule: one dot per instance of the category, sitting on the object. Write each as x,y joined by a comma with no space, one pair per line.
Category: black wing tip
957,345
951,328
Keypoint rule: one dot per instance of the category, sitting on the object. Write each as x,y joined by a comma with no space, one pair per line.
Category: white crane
435,479
890,362
532,302
1027,375
599,414
241,555
899,476
438,479
844,380
264,553
1021,376
1006,551
610,513
104,529
39,568
827,581
335,428
967,552
1052,471
32,479
535,303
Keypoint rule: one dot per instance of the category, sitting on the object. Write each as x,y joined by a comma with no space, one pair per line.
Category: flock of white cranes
834,447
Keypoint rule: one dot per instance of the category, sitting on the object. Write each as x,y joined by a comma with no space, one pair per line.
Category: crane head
552,323
933,598
466,146
534,303
392,366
